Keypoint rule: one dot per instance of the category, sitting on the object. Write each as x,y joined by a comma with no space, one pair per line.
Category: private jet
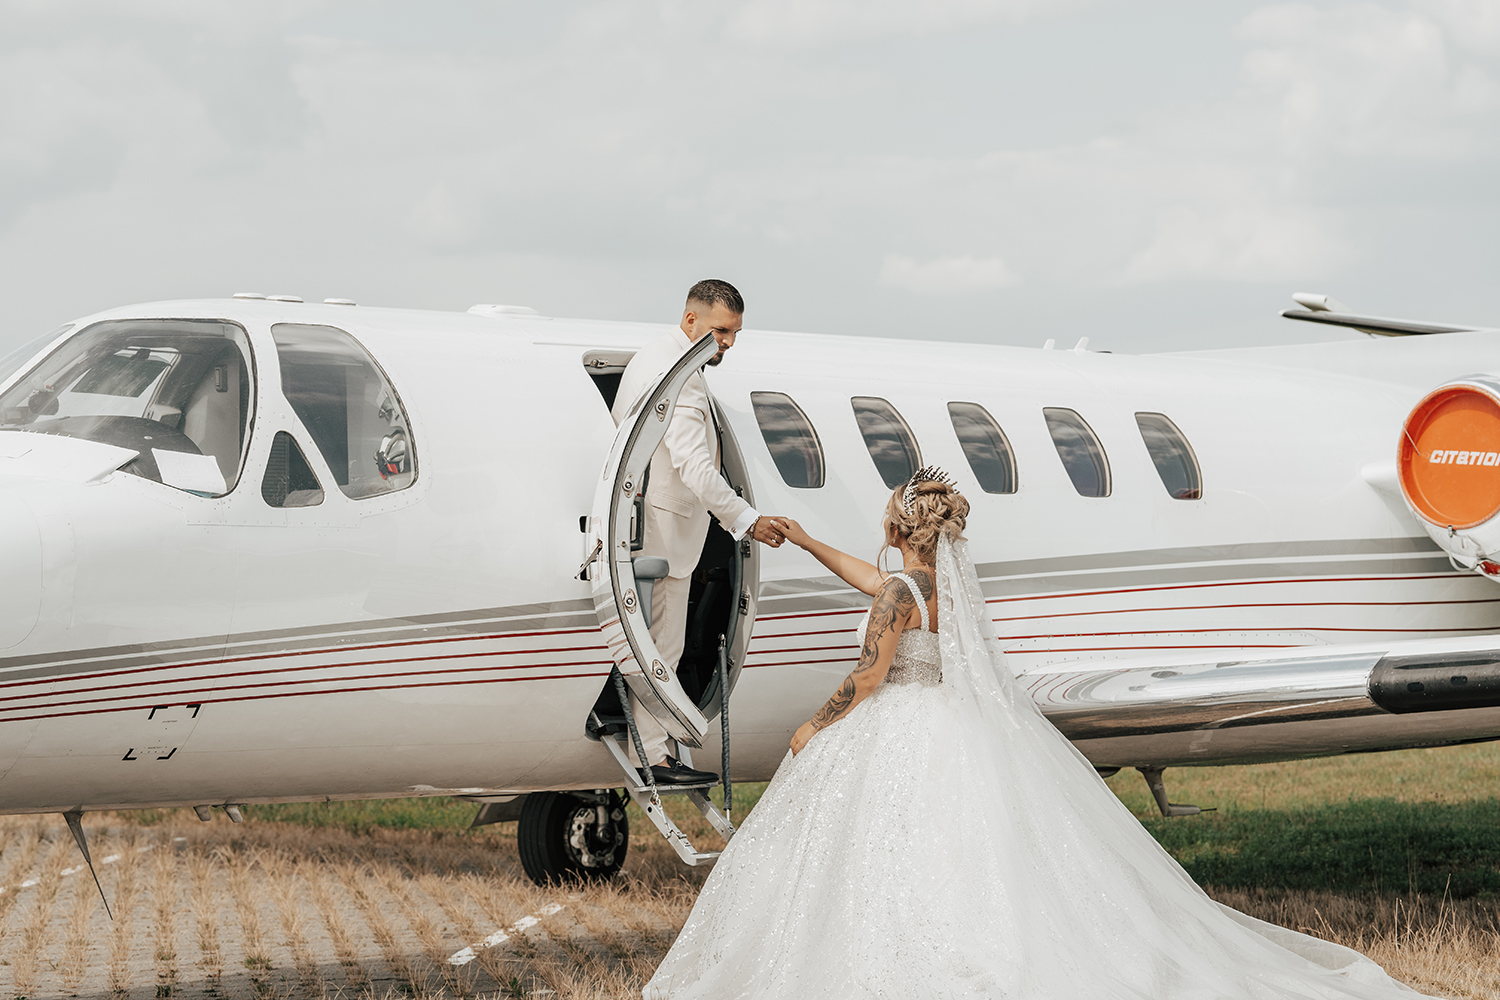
256,549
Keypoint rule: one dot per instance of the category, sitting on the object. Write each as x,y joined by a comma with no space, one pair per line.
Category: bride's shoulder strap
916,595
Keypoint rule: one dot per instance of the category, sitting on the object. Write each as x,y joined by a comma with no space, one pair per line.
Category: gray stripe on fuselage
1098,572
519,618
999,579
1212,553
1014,587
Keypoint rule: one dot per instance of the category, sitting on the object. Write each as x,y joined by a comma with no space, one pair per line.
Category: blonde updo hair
937,511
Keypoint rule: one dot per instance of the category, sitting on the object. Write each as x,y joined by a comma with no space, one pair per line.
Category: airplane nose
20,569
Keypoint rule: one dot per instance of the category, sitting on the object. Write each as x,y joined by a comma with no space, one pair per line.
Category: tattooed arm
894,611
857,573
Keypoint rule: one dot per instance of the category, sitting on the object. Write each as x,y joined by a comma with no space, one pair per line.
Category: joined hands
770,530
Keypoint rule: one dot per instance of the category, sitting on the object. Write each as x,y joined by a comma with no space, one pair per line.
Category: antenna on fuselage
75,823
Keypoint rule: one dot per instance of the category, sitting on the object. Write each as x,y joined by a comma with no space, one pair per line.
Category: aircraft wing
1310,701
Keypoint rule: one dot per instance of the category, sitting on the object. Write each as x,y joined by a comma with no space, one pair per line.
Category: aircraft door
620,600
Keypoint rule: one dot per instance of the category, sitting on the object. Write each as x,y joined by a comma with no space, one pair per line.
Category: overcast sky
1156,175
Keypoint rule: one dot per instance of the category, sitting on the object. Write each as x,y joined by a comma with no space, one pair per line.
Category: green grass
369,814
1416,820
1423,820
436,813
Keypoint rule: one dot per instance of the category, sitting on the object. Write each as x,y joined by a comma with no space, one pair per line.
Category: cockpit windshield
176,392
17,359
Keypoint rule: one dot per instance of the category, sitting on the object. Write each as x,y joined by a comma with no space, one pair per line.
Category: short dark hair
712,292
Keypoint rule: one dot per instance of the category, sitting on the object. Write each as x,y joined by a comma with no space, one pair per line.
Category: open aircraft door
622,601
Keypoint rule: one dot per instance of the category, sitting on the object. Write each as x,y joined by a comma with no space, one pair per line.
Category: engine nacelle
1448,464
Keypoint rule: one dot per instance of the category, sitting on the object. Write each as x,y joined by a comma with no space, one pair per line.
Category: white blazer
686,486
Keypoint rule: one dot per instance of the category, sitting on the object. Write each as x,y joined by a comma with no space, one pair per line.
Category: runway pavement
259,910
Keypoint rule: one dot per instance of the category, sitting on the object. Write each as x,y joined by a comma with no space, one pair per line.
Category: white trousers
669,600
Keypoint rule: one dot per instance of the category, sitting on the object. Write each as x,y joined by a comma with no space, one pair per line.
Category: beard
713,361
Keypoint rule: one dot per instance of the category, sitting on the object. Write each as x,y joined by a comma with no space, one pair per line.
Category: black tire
560,840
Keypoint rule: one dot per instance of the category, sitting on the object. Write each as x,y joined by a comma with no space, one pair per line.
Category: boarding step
650,802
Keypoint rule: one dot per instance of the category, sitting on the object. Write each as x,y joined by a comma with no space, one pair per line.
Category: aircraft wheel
572,836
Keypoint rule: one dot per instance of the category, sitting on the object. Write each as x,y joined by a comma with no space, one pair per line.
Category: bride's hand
801,736
793,532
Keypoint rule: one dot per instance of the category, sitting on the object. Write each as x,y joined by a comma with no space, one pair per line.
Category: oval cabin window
790,438
888,438
350,409
1172,455
985,446
1079,448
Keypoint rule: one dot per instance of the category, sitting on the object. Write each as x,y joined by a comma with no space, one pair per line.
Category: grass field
1397,855
1418,821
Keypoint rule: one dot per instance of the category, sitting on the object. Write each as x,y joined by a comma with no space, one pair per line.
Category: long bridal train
944,840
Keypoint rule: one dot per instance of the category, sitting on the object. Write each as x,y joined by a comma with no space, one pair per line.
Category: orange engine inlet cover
1449,458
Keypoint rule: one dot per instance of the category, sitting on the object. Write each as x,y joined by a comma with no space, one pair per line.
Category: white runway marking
466,955
111,859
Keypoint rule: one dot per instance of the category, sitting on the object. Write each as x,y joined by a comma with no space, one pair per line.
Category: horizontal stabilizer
1379,326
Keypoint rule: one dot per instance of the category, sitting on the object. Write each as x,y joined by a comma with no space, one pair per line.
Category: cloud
1361,80
946,274
1236,243
434,156
88,93
1327,97
1471,25
813,22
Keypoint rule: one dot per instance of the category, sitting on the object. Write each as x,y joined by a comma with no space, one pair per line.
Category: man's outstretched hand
767,530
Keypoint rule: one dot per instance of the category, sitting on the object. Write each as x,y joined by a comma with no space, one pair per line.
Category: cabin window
790,438
985,446
1081,453
289,480
349,408
178,393
890,441
1172,455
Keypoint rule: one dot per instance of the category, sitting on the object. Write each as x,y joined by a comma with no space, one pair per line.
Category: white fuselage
160,647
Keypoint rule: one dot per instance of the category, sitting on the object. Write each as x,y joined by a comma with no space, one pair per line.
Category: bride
933,836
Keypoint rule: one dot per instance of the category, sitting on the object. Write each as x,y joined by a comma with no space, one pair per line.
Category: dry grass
205,914
1434,945
322,910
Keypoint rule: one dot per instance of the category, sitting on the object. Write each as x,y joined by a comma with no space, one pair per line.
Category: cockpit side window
289,480
892,446
349,407
176,392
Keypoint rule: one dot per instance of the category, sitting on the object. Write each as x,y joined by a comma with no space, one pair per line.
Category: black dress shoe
675,772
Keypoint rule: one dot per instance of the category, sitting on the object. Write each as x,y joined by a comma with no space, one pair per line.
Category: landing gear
573,836
1159,793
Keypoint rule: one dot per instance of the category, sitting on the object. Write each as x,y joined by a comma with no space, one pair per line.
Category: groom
685,487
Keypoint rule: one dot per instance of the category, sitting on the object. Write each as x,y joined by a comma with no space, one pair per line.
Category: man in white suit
685,488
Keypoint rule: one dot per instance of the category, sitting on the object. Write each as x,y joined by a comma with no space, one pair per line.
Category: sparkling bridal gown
944,840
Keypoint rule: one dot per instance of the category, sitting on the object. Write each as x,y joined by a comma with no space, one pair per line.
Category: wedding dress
943,840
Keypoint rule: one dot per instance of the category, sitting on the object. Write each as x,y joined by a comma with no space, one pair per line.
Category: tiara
926,474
